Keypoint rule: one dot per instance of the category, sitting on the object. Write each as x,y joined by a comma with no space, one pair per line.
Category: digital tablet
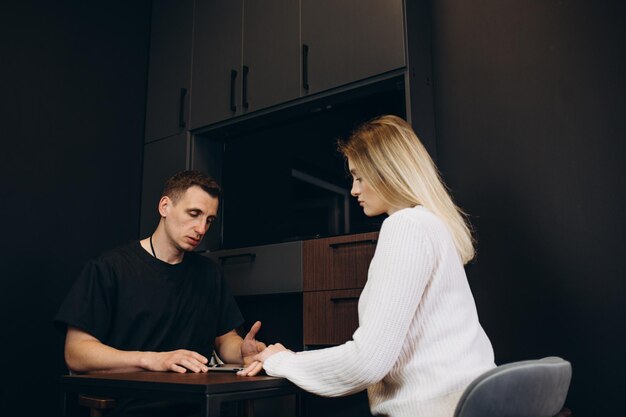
225,367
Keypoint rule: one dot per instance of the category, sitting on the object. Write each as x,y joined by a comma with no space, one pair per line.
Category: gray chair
533,388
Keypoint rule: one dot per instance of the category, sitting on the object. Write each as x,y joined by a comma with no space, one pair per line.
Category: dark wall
73,78
531,130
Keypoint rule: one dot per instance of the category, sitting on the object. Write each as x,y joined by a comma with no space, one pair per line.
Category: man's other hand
251,347
178,361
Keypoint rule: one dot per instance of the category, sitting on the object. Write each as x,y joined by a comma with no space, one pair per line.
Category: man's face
187,220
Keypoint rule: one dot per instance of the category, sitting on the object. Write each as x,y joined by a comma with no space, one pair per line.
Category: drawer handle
340,299
224,259
356,242
233,80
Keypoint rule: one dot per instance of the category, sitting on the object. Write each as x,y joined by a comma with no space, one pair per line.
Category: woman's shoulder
418,216
413,223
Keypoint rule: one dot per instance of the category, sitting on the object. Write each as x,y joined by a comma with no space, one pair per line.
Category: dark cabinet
334,274
169,74
350,40
243,62
293,177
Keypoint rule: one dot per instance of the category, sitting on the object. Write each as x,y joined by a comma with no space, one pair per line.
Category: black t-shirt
130,300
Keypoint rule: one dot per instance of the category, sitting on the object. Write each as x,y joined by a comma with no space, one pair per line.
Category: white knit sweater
419,342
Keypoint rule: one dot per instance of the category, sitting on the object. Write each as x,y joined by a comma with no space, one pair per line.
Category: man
152,305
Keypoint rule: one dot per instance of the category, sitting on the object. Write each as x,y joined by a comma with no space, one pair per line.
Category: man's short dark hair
176,186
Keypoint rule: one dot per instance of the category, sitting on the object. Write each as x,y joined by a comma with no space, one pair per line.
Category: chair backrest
533,388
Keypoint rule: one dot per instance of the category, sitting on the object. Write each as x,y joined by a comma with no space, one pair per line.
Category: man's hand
251,347
85,353
178,361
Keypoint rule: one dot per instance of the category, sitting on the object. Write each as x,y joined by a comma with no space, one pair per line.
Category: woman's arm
401,269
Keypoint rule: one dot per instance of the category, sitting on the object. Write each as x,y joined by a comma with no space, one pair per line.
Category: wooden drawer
337,262
330,317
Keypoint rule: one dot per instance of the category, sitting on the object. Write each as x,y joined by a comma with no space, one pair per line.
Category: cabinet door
271,53
216,71
167,107
337,263
161,160
350,40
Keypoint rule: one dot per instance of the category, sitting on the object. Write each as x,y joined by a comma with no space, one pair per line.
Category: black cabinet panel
351,40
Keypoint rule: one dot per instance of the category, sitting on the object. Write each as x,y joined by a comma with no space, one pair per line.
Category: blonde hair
395,164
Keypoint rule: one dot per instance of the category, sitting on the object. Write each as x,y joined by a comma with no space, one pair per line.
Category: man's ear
165,205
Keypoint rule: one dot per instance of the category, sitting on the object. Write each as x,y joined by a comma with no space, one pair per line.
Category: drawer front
267,269
339,262
330,317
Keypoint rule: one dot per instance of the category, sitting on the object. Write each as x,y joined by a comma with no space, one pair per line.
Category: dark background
530,112
73,77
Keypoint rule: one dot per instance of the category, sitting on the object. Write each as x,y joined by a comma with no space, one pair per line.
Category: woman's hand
271,350
259,358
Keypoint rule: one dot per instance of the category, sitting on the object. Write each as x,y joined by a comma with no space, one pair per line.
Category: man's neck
161,249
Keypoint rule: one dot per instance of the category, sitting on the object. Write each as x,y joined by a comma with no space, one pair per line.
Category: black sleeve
89,304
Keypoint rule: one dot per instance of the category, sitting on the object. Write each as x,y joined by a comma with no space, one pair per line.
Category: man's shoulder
121,253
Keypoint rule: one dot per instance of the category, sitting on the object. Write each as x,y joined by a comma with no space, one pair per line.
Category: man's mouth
194,240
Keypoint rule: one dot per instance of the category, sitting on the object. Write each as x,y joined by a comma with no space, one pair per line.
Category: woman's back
417,283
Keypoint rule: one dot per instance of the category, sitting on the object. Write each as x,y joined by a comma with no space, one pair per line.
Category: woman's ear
164,206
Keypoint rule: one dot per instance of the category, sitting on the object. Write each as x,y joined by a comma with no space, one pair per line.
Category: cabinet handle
245,86
233,78
181,108
224,259
356,242
340,299
305,66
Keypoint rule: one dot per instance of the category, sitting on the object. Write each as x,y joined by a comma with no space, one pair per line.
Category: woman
419,343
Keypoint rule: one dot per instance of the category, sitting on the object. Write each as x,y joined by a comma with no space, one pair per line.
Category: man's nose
200,228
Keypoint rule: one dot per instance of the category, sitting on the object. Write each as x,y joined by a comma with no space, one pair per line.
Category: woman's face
368,199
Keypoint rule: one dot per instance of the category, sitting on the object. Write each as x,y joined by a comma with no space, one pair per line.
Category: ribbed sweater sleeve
398,275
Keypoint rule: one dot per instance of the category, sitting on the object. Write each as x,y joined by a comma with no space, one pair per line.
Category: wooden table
210,389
